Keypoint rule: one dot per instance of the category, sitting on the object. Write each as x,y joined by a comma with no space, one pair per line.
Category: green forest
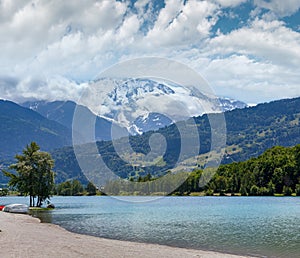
251,165
277,171
250,132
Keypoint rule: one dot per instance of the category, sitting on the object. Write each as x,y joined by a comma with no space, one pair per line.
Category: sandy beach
24,236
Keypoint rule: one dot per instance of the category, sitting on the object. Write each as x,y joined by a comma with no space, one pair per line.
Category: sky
246,50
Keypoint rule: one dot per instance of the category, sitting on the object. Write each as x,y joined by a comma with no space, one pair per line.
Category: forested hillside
250,132
63,112
19,126
275,171
253,130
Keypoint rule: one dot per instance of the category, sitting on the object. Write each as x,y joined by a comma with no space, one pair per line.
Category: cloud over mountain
247,50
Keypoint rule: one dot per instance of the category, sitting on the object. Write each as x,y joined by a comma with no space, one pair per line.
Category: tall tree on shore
34,175
91,189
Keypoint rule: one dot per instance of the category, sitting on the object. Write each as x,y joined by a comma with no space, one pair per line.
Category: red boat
1,207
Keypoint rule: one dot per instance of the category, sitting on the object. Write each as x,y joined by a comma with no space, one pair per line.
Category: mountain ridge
63,113
250,132
122,97
140,101
20,126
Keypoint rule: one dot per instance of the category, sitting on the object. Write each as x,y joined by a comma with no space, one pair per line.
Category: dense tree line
275,171
75,188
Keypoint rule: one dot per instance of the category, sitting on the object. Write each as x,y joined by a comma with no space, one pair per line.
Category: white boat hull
16,208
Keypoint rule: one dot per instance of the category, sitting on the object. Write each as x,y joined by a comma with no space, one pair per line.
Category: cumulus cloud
230,3
267,40
75,40
243,78
180,23
261,60
36,28
40,88
280,7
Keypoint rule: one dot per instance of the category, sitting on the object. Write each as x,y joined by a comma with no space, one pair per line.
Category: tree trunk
39,203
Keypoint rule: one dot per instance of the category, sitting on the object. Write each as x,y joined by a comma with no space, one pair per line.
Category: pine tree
34,175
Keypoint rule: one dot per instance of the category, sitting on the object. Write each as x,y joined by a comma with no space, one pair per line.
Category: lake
261,226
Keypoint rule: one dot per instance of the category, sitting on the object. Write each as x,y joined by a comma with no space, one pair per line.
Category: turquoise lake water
261,226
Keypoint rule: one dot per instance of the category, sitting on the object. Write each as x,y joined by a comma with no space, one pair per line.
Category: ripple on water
263,226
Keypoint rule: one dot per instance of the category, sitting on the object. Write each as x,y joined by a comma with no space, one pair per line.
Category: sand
24,236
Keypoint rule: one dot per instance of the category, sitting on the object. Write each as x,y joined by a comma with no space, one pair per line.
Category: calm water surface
262,226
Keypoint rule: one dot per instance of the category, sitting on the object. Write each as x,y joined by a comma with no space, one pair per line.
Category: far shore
24,236
192,194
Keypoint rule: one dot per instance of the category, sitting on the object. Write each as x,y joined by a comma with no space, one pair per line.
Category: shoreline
25,236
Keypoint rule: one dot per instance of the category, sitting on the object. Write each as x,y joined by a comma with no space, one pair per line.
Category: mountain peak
137,104
128,101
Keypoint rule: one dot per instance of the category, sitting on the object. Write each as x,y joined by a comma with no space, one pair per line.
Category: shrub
271,188
297,189
209,192
243,191
254,190
263,191
3,192
287,191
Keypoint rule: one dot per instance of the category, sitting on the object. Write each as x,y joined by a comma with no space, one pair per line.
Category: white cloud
40,88
244,78
129,29
9,7
280,7
78,39
256,63
270,41
36,28
230,3
179,24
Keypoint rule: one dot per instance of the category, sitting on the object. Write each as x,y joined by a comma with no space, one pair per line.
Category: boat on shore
1,207
16,208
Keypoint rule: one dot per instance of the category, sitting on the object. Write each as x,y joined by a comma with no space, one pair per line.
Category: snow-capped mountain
151,122
154,121
143,104
140,105
228,104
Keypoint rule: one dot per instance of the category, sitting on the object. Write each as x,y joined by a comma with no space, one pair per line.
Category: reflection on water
44,215
262,226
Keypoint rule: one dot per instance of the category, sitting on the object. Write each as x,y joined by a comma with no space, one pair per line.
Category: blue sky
247,50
